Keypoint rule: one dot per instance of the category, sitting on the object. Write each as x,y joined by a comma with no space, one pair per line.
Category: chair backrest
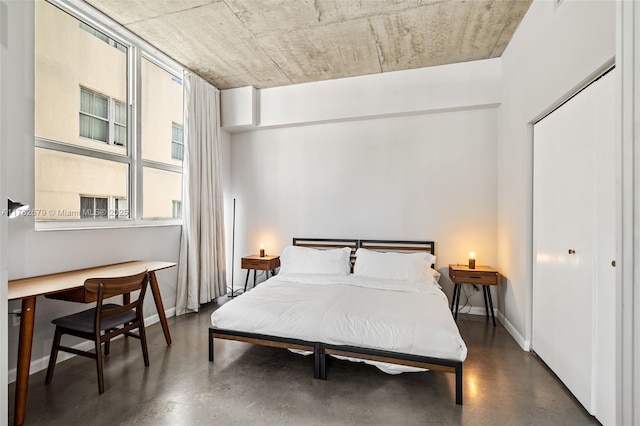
114,286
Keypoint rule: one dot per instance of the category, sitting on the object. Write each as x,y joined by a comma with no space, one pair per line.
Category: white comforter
397,316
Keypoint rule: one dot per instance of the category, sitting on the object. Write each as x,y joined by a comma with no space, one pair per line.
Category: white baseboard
43,363
520,340
475,310
156,318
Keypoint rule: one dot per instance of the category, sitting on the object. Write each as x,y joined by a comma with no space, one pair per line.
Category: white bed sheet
396,316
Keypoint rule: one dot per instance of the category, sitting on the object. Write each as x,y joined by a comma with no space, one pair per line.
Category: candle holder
472,260
261,252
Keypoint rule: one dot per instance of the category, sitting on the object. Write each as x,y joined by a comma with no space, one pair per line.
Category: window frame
136,49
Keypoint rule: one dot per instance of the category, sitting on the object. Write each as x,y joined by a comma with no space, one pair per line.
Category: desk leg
254,278
24,358
158,299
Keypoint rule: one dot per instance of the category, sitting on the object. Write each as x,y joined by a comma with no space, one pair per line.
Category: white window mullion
135,132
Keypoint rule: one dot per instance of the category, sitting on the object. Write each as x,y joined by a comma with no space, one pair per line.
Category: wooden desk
59,286
480,275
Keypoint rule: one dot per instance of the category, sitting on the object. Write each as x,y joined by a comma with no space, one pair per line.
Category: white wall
554,50
4,133
443,87
447,87
34,253
401,175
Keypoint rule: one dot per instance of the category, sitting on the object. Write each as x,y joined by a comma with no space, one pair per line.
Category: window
102,37
103,208
177,209
177,145
93,160
94,208
121,210
94,117
102,118
119,124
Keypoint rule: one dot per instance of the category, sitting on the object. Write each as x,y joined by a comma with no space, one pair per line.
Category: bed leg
210,345
320,371
459,384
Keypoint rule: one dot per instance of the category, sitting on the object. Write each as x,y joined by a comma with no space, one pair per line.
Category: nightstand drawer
474,277
255,264
264,264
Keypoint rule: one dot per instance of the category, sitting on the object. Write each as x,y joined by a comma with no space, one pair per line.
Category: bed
401,323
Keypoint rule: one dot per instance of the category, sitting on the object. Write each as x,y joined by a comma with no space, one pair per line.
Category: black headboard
401,246
328,243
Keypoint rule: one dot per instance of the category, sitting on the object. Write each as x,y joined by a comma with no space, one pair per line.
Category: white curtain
202,266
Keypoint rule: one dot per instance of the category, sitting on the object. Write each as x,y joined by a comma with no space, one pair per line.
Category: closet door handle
572,251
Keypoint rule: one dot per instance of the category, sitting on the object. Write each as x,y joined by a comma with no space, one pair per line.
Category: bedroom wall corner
554,50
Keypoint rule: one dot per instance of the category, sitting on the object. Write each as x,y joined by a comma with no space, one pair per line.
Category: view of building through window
85,136
161,116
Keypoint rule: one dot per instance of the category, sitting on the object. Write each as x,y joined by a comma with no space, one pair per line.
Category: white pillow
435,273
305,260
395,266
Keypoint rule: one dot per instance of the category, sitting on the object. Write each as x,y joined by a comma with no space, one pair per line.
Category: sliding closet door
573,184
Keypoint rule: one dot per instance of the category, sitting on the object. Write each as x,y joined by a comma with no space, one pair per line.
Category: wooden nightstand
481,275
257,263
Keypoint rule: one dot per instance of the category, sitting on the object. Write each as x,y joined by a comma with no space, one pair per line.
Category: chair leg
54,355
107,345
99,365
143,342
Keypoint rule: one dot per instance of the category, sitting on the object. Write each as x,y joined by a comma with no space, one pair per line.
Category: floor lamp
233,250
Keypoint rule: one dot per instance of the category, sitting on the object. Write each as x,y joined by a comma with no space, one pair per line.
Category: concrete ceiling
268,43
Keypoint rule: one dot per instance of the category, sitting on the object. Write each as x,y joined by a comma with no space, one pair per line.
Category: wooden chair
105,321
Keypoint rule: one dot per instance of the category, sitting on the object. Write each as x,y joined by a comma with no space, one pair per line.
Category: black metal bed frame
320,350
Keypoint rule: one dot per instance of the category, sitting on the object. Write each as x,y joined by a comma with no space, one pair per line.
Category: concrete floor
248,384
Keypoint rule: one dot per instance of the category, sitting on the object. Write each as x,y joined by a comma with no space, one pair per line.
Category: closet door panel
604,388
563,287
